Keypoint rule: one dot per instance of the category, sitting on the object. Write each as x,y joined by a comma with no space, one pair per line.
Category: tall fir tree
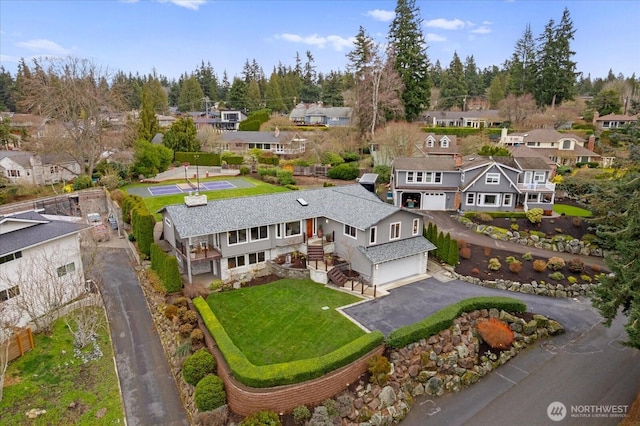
522,67
273,94
472,78
408,47
453,90
191,95
149,125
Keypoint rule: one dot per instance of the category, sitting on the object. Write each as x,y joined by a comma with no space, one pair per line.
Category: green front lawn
284,321
49,377
571,210
156,203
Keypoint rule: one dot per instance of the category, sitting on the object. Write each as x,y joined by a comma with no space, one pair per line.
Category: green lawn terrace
285,321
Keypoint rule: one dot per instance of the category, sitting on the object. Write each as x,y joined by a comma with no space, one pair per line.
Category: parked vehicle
94,219
113,222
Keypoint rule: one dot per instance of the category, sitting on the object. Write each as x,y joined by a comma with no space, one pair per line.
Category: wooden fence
20,343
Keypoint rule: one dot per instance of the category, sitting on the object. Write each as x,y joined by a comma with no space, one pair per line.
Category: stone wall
287,272
557,243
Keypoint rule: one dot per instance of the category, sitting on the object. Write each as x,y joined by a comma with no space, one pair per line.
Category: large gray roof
425,163
396,249
351,204
42,231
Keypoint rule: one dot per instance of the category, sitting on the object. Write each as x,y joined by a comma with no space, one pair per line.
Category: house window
9,293
444,143
416,226
256,257
419,177
53,169
259,233
507,199
13,173
429,142
433,177
409,177
373,235
236,262
167,221
292,228
492,178
532,197
9,257
471,199
350,231
66,269
395,231
539,177
489,200
566,144
237,237
462,176
278,230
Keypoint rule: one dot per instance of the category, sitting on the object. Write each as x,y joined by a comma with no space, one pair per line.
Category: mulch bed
561,225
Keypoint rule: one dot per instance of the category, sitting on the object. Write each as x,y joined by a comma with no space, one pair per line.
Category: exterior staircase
315,252
337,276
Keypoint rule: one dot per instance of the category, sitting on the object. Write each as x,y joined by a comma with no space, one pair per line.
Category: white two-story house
382,242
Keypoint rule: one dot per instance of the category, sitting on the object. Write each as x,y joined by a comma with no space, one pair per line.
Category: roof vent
302,202
195,200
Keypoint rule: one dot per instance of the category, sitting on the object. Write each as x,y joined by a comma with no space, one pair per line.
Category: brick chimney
591,144
458,160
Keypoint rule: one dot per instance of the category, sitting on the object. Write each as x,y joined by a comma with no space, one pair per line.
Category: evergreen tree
453,257
7,89
253,99
496,91
191,95
332,90
273,94
522,67
436,73
237,98
454,88
181,137
445,248
149,125
208,80
223,89
439,244
309,92
472,78
157,95
556,75
407,45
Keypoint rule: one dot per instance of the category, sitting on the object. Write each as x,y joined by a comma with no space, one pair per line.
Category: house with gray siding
472,183
319,115
382,242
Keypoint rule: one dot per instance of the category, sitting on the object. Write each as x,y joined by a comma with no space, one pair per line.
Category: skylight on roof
302,202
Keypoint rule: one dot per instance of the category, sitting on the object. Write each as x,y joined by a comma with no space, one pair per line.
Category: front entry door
309,227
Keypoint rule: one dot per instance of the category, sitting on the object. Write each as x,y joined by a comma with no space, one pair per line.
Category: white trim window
539,177
259,233
492,200
236,261
238,236
278,230
507,200
433,177
9,293
416,226
350,231
410,177
533,197
167,221
394,231
492,178
373,234
444,142
471,199
66,269
430,142
256,257
292,229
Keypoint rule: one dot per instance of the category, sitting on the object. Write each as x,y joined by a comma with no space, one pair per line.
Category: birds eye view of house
382,242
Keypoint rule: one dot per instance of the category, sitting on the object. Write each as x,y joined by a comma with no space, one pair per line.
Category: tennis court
191,186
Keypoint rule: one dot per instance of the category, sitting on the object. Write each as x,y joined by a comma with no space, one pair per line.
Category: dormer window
429,142
444,142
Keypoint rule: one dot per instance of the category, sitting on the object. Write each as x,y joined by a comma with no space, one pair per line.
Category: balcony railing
537,186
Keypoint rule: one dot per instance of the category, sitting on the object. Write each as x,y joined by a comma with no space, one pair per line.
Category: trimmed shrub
285,177
262,418
572,280
495,333
515,267
557,276
189,317
527,257
555,263
465,253
576,265
379,367
244,170
172,280
586,278
331,158
484,217
514,227
82,182
443,318
210,393
171,311
185,329
510,259
196,337
494,264
462,244
346,171
596,268
198,365
383,172
539,265
301,414
535,215
454,254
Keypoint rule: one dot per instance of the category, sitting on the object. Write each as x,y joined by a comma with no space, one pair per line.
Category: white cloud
44,46
481,30
381,15
445,24
189,4
435,37
487,23
8,58
337,42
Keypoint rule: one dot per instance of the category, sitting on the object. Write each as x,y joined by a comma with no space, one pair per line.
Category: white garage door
398,269
434,201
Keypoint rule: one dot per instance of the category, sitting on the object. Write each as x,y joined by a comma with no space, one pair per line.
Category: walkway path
457,230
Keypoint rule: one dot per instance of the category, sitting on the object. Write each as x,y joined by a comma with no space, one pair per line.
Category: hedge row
284,373
167,268
446,247
135,212
204,158
496,215
254,121
443,319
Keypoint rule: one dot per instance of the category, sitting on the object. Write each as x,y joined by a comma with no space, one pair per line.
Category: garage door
398,269
434,201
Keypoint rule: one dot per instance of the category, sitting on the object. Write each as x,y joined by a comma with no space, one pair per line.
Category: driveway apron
149,389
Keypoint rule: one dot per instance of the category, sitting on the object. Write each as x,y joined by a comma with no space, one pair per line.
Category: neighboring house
431,146
282,143
475,119
382,242
318,115
614,121
28,168
165,121
472,183
39,255
564,149
223,121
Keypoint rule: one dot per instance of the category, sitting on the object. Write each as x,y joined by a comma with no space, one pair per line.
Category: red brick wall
245,400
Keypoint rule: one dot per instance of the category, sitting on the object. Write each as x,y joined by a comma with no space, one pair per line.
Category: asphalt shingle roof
425,163
42,231
351,204
396,249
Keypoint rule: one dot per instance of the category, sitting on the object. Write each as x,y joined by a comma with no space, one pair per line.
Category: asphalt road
586,366
149,390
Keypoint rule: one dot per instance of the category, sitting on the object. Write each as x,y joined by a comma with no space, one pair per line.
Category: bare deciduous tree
9,318
517,109
73,94
397,140
85,320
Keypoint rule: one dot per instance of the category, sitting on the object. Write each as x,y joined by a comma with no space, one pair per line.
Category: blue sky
174,36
